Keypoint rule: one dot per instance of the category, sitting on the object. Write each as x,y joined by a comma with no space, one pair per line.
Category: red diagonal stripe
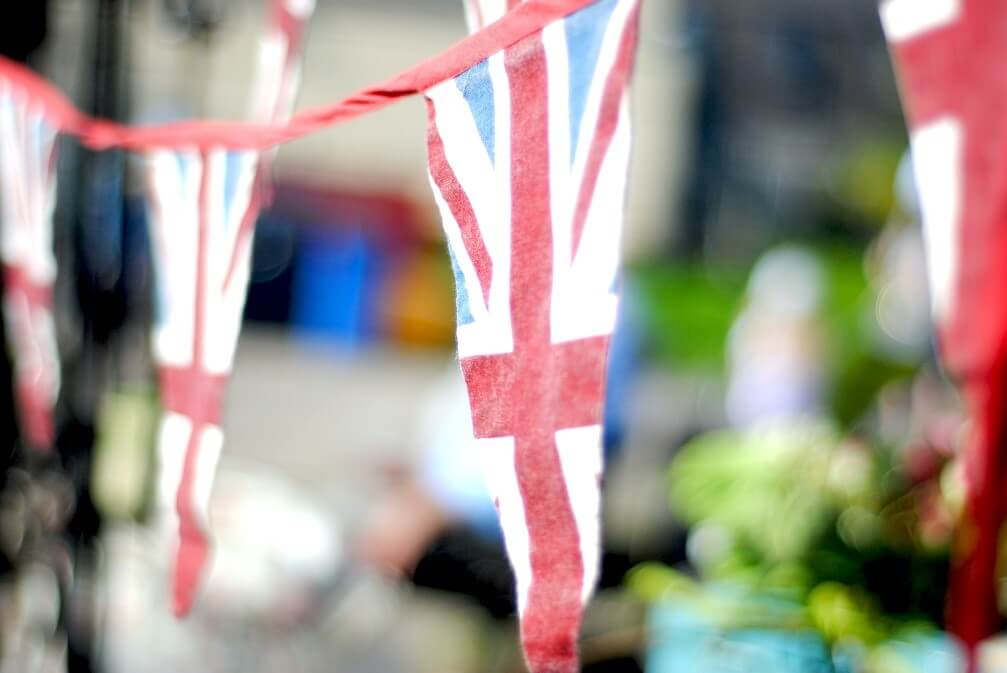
246,232
526,19
608,121
458,202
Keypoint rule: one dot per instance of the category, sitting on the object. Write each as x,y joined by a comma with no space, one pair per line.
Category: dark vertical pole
709,126
95,245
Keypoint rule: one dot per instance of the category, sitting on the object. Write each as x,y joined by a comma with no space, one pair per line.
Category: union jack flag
199,204
528,154
28,193
949,55
203,207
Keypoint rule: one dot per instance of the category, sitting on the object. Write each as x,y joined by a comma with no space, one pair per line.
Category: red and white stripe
27,199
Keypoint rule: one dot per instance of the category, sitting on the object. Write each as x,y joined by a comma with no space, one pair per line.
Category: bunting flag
199,204
27,199
204,206
279,71
949,56
528,153
279,68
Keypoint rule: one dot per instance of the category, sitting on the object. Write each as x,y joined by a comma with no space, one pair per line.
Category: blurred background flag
947,54
279,70
528,155
198,206
203,211
27,199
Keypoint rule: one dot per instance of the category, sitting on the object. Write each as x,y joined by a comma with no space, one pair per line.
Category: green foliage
689,310
837,531
797,513
840,612
767,488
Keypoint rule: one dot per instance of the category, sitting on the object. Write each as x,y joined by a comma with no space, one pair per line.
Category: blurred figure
437,525
775,348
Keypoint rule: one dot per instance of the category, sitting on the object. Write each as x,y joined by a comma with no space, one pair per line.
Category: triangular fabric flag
28,197
278,75
528,154
204,205
279,69
199,205
949,56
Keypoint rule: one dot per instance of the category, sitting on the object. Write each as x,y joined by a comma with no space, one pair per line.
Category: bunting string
526,19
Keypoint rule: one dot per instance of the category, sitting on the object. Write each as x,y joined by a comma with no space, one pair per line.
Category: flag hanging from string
203,206
528,154
28,196
949,55
278,72
199,205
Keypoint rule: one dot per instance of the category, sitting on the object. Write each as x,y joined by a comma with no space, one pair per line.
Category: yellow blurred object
124,453
419,302
865,179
